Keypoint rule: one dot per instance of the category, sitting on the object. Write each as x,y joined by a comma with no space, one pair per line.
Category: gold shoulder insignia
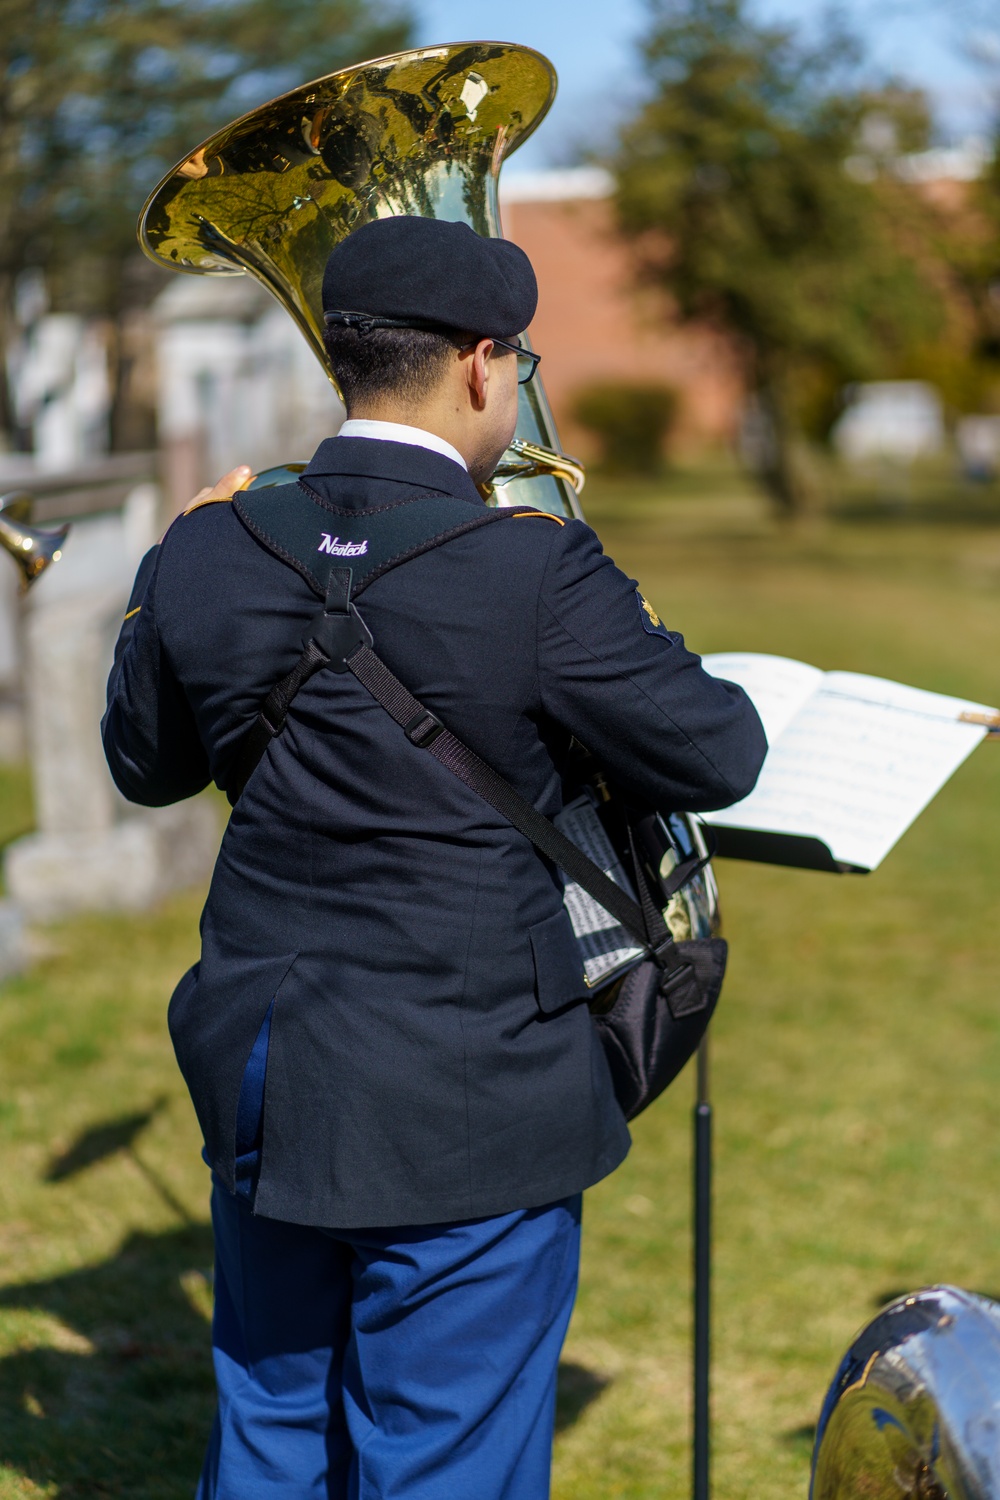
132,612
544,515
209,500
649,610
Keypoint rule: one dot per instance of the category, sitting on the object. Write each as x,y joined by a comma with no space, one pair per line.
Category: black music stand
702,1216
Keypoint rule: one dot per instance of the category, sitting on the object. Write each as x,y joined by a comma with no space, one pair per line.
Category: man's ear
479,372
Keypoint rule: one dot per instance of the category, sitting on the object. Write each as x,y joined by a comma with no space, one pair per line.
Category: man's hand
224,488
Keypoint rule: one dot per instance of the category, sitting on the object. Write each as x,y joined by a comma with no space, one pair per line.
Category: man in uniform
386,1039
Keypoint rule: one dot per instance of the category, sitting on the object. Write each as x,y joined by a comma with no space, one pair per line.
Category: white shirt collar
398,432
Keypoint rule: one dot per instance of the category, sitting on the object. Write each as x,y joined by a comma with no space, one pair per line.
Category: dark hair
386,361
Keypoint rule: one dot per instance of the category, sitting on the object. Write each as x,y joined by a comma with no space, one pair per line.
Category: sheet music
604,943
777,686
855,764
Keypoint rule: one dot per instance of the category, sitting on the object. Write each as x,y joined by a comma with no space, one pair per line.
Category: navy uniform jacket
426,1062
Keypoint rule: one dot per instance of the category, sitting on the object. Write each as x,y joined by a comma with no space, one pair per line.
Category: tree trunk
783,467
11,439
131,354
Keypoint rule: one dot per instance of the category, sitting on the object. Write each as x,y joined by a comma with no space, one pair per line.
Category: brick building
595,323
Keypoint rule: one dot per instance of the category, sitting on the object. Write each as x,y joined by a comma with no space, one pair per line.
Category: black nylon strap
689,868
287,520
427,732
270,721
341,623
656,929
339,619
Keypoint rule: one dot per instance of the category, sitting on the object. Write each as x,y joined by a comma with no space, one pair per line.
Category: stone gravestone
93,850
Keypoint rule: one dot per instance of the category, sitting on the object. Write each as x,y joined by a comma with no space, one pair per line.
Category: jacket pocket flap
558,966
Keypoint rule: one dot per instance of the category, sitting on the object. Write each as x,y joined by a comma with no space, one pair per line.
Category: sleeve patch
651,622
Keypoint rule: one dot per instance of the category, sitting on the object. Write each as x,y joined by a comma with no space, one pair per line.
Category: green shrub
630,420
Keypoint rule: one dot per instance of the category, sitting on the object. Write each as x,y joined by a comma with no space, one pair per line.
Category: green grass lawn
856,1063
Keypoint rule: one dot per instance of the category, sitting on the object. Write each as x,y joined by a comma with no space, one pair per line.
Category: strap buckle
423,729
666,957
340,631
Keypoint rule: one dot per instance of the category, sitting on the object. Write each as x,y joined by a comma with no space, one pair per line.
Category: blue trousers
388,1364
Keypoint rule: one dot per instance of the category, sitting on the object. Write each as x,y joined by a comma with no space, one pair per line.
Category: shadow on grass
801,1438
941,504
98,1142
576,1389
130,1415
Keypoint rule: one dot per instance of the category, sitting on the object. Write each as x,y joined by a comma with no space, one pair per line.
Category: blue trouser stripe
250,1112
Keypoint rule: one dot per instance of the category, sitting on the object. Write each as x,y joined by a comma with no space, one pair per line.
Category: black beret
414,272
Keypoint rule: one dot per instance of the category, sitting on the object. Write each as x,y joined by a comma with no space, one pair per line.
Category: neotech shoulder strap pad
313,536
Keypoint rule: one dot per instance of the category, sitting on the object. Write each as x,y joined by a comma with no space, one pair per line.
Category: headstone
237,383
890,419
92,850
978,442
14,951
58,370
13,747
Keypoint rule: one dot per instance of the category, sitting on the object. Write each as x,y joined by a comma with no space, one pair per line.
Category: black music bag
657,1021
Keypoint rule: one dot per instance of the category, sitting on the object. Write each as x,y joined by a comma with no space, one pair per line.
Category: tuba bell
420,132
913,1413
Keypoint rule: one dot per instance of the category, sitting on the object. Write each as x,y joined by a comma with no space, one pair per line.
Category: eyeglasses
527,361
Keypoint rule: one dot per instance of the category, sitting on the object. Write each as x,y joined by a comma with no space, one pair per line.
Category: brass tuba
419,132
914,1410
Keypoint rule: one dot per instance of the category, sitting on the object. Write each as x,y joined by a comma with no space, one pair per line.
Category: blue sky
590,43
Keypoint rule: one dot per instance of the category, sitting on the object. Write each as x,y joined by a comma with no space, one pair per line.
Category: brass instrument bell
914,1410
419,132
32,549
